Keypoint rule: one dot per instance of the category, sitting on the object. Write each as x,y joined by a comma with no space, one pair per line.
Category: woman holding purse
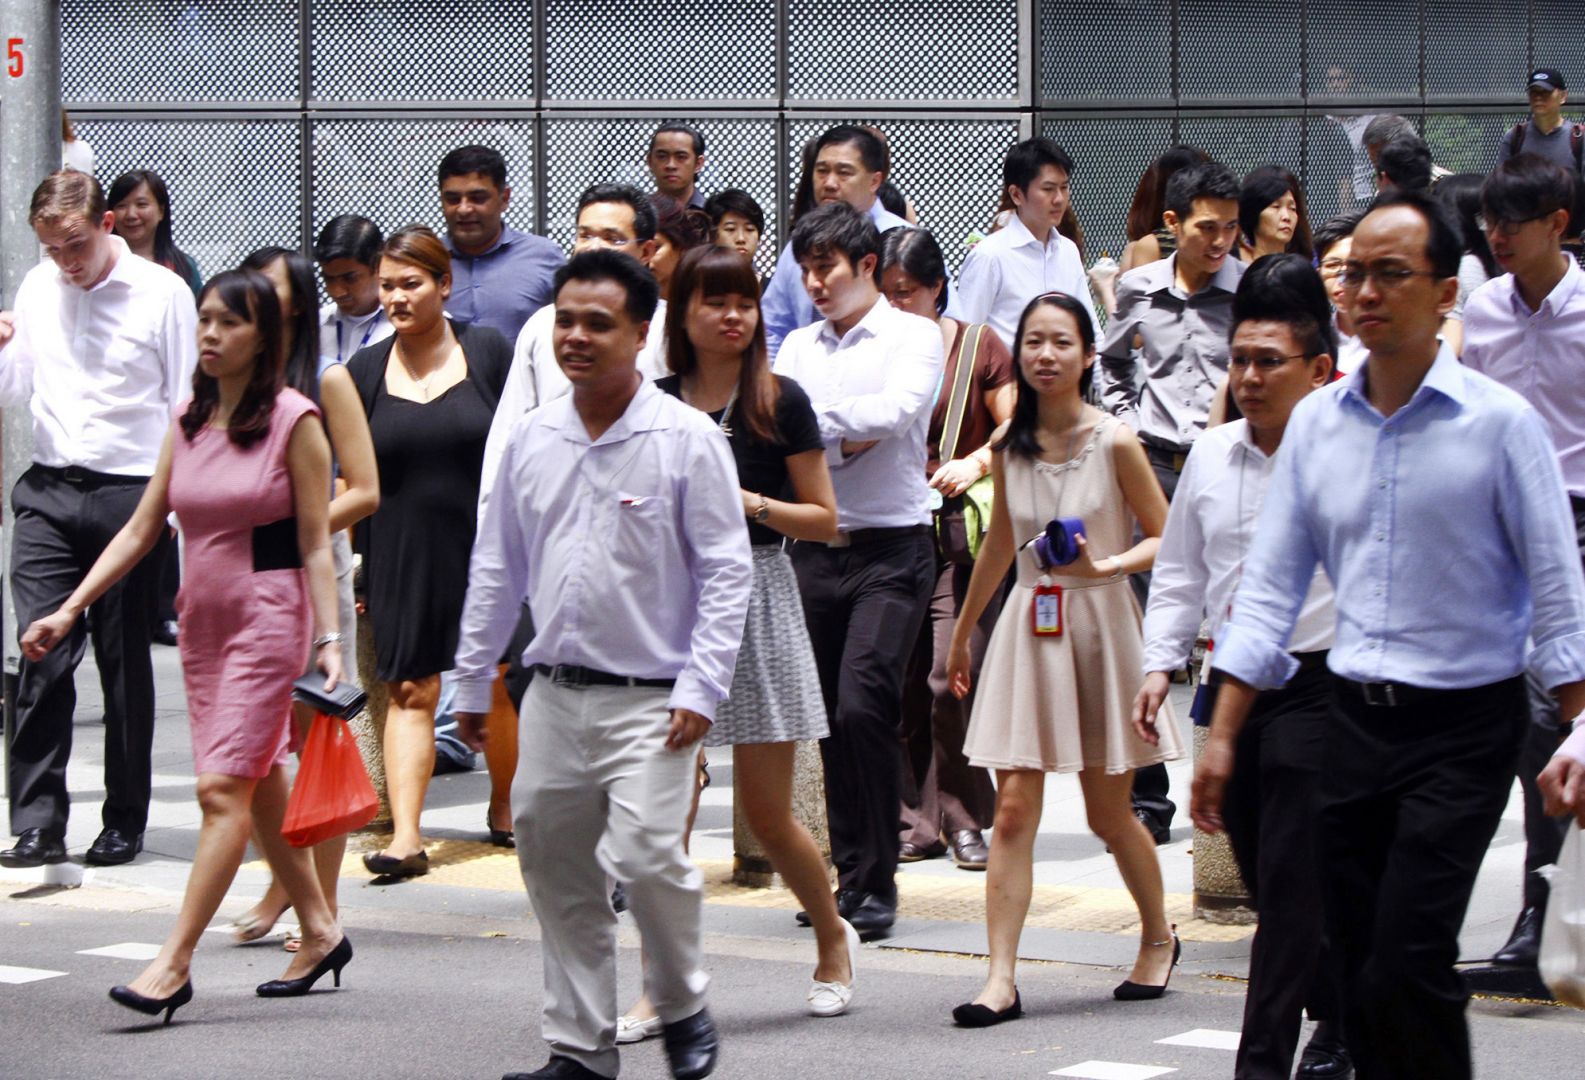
245,469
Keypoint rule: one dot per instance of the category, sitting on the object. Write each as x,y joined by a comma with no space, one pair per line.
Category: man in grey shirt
1545,133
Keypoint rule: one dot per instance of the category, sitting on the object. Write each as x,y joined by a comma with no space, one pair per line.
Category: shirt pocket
643,530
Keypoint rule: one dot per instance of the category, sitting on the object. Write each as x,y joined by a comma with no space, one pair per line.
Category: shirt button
1381,536
1381,483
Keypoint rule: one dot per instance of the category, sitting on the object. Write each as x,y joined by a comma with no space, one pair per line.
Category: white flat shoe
630,1029
832,998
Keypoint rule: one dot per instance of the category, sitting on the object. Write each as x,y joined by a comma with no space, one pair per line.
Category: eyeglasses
1505,228
1262,364
1332,267
1387,278
611,239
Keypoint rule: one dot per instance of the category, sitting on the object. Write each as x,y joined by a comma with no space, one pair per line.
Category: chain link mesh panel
950,169
1092,50
1467,142
1109,157
223,205
738,153
669,50
1477,48
1364,50
174,51
386,169
421,51
1559,42
1338,173
955,50
1238,49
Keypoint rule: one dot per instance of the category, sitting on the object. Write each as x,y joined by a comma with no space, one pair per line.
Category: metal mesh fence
1108,160
1238,49
1476,48
1094,50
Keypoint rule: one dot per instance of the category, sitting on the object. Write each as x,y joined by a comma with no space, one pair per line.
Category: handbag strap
958,403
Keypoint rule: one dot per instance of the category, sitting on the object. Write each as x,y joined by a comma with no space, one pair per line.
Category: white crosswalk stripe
19,975
1113,1070
1206,1038
127,950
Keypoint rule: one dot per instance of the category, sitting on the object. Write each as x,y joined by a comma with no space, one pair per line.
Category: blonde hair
66,193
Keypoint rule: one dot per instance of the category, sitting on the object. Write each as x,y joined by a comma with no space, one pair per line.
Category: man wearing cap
1545,133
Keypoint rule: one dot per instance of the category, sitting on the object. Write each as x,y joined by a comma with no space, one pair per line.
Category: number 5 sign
14,57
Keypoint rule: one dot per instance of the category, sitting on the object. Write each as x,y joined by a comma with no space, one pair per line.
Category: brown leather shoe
969,850
910,852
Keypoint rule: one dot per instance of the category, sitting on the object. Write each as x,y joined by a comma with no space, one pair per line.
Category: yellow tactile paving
472,864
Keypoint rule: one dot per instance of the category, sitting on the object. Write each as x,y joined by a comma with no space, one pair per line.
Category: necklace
422,384
726,413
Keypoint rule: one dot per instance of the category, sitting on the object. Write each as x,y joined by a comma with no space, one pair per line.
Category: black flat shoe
1128,990
692,1046
847,902
113,848
982,1016
334,961
558,1068
35,847
380,864
499,837
123,995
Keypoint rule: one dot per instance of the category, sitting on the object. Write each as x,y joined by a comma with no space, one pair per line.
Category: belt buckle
1380,695
74,474
841,540
568,675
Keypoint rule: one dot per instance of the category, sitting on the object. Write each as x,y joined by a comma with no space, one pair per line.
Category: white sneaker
630,1029
832,998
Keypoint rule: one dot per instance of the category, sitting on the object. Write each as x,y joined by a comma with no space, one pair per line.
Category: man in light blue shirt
1432,497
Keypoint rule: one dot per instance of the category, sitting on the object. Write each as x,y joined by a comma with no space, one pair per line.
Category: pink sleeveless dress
243,606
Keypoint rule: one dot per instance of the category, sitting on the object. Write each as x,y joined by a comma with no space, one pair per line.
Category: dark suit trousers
1543,835
864,605
61,528
942,792
1269,810
1410,799
1151,783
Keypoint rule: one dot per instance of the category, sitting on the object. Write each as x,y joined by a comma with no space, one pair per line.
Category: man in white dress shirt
348,254
1015,264
871,372
1281,350
102,347
616,516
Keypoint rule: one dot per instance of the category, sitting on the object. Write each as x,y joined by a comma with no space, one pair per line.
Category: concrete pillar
749,864
369,725
1219,892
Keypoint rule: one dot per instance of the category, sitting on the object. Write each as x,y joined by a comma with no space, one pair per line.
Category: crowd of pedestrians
614,507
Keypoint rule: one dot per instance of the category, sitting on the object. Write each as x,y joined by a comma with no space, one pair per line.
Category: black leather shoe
499,837
558,1068
978,1016
34,847
873,915
847,900
1523,949
382,865
1325,1058
113,847
165,633
969,851
1159,830
692,1046
910,852
148,1006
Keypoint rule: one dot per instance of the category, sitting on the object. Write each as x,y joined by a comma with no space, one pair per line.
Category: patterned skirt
775,688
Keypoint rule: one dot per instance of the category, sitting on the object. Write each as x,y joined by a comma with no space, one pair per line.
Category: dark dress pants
1543,835
941,791
1410,799
1269,810
1151,783
61,527
864,605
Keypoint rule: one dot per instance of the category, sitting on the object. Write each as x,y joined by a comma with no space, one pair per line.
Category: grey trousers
597,794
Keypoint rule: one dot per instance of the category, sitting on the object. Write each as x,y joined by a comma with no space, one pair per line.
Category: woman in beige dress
1060,701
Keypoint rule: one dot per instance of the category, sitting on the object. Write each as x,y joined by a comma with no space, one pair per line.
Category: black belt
1165,454
576,676
1391,695
862,537
76,474
1309,661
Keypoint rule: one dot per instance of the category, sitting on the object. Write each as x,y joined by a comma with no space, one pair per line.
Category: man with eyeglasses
1432,497
1281,350
1526,329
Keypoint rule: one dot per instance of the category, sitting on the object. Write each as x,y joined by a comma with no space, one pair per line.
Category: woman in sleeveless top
1056,688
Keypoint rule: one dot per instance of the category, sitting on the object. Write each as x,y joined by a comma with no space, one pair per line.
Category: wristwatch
762,511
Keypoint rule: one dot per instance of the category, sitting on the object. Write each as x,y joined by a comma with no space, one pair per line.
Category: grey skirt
775,688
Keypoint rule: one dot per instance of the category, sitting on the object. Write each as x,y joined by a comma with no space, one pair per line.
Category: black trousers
1410,799
1269,810
1151,783
1543,835
864,605
62,526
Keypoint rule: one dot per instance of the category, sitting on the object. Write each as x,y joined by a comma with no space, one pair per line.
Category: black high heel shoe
125,995
1128,990
334,961
499,837
979,1016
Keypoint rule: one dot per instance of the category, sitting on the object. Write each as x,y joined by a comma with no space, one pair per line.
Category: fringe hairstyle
718,271
249,294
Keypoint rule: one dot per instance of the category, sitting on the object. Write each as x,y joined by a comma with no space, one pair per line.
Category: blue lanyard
368,332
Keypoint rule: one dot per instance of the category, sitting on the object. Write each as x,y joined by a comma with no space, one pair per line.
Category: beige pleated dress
1061,704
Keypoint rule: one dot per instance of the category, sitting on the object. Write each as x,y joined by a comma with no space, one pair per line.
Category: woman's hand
954,478
46,633
1147,703
329,662
958,663
1085,567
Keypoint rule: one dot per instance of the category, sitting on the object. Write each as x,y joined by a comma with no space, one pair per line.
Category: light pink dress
243,605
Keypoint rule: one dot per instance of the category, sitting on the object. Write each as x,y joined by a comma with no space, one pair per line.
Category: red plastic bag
332,794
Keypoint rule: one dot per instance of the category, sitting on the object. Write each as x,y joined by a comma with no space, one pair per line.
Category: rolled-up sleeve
1177,580
1117,369
16,358
497,584
913,374
716,535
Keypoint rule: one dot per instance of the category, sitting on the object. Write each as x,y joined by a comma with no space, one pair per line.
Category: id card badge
1046,610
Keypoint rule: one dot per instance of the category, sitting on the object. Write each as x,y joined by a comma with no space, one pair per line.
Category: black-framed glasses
1262,364
1504,228
1387,278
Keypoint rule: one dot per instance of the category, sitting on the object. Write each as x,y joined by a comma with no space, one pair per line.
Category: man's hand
954,478
1211,773
8,327
1562,785
687,728
471,729
1147,703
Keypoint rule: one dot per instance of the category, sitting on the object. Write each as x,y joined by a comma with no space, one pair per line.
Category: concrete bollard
749,865
368,727
1219,892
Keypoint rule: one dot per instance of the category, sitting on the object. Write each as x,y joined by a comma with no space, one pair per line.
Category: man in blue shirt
1433,498
499,276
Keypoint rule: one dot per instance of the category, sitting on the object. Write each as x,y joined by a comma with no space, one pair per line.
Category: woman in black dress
430,392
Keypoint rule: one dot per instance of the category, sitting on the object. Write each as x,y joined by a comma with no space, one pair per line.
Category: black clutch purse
345,701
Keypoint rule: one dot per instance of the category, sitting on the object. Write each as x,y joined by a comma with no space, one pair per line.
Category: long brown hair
718,271
1150,197
249,294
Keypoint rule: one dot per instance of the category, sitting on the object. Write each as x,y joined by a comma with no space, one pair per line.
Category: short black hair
835,228
674,127
1286,289
1383,129
1525,187
1207,180
916,252
643,212
1335,229
734,201
892,198
467,160
1444,245
349,236
603,264
1405,160
871,148
1025,160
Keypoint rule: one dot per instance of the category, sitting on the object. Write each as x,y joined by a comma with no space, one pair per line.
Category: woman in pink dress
247,482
